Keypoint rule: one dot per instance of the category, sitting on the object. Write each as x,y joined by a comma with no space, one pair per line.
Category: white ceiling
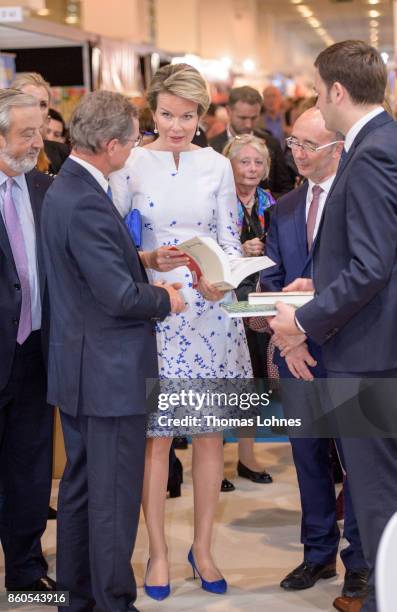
342,19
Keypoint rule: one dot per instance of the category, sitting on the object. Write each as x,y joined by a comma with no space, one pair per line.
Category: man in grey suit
102,348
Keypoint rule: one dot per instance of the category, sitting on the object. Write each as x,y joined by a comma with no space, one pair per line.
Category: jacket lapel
36,195
5,243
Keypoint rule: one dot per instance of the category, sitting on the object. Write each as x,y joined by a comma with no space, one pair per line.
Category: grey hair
101,116
234,146
9,99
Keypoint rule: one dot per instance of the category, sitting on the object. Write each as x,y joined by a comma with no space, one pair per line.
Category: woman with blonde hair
183,191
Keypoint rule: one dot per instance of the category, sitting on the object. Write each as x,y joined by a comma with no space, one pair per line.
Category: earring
155,131
198,131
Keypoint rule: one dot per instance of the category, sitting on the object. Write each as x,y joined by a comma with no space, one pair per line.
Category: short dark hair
358,67
53,114
246,94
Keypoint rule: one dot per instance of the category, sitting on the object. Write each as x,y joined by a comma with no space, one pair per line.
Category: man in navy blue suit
102,348
355,266
292,231
26,420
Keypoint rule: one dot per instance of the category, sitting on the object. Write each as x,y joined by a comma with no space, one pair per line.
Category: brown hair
358,67
179,80
246,94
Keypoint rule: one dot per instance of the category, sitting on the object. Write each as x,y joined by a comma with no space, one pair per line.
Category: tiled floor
256,544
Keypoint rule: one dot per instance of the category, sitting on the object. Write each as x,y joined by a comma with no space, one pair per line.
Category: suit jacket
353,315
10,294
280,180
286,244
102,340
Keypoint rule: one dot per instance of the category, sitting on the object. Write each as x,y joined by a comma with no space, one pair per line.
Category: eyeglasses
135,141
308,146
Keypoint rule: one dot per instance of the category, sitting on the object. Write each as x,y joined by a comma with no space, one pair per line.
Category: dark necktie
343,156
312,215
109,192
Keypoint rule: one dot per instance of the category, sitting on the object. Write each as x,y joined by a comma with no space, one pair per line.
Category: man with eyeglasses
290,240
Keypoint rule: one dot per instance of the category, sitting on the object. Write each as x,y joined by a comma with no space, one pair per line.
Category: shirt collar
19,179
97,174
357,127
325,185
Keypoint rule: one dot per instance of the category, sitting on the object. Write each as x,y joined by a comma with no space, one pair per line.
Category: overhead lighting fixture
373,23
248,65
44,12
72,19
373,1
296,1
374,14
314,22
304,11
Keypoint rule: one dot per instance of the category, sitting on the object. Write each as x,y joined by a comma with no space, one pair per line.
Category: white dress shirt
356,127
21,198
326,186
97,174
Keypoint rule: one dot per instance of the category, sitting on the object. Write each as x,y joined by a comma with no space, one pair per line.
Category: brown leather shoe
348,604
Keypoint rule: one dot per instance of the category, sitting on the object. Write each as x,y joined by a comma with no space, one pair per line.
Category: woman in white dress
184,191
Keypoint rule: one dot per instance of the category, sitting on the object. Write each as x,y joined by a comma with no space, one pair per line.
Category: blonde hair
179,80
31,78
234,146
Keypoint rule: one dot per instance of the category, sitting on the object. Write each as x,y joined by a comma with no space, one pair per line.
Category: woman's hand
164,259
208,291
253,248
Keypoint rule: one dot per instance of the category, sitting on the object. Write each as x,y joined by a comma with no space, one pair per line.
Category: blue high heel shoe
216,586
156,592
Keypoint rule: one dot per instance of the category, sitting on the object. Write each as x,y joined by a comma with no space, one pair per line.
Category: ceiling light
314,22
321,32
296,1
72,19
248,65
44,12
374,14
373,23
305,11
373,1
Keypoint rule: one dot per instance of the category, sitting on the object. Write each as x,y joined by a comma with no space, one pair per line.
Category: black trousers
26,426
98,510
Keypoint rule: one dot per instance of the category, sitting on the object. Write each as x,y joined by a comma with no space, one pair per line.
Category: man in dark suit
26,421
292,231
244,109
102,348
355,265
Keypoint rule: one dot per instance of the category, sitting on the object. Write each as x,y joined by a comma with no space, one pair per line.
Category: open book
294,298
207,258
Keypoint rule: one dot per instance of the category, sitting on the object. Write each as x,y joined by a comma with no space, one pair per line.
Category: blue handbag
133,222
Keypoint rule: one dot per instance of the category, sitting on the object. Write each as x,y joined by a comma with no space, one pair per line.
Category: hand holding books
164,259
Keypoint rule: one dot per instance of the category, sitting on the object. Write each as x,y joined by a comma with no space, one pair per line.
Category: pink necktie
17,243
312,216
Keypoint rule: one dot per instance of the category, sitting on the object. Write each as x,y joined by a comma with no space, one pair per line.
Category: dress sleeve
120,183
228,234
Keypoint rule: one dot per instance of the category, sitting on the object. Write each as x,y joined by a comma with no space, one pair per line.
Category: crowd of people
93,307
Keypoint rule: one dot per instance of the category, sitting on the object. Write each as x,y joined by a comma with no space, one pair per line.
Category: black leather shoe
227,486
355,583
180,443
258,477
306,575
45,583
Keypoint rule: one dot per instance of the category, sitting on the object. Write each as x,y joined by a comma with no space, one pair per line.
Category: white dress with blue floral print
196,199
